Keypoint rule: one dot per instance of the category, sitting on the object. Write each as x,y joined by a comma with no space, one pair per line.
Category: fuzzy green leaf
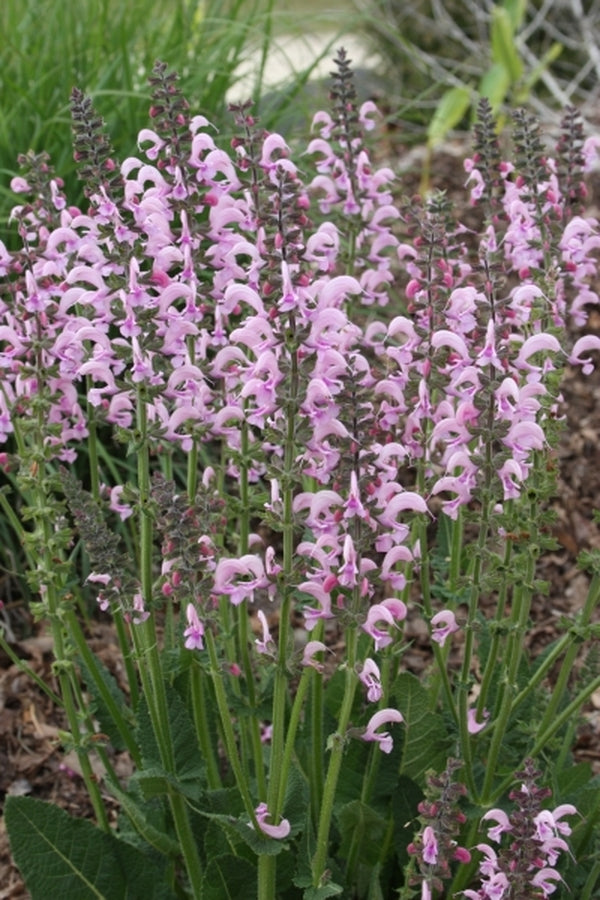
426,741
229,877
405,800
358,819
322,892
71,858
186,753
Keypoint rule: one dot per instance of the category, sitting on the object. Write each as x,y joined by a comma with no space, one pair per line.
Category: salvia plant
275,416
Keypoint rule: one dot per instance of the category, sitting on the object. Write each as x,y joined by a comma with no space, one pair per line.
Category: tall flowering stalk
336,411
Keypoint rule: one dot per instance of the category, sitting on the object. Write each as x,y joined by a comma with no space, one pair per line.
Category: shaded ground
30,758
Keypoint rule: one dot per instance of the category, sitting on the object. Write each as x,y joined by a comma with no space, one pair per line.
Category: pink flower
273,831
310,613
535,344
488,866
380,718
544,879
430,846
401,502
240,578
589,342
308,657
396,580
387,611
194,633
473,726
353,505
348,572
443,624
503,823
99,578
263,645
140,613
548,822
511,474
371,678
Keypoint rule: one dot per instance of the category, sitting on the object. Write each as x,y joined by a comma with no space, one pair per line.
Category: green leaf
426,740
502,39
516,10
139,819
188,758
450,110
495,85
229,877
71,858
574,778
358,819
405,801
99,707
321,893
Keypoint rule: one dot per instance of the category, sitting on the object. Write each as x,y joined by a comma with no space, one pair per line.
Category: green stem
337,743
521,604
308,675
199,707
566,670
275,794
92,444
251,723
490,672
440,654
228,733
108,700
316,762
153,684
126,656
564,716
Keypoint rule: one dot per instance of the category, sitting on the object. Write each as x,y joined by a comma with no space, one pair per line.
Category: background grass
107,48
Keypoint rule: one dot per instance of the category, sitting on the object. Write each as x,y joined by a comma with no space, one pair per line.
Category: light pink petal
274,831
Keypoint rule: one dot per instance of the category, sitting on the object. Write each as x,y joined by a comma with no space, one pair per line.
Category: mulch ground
31,761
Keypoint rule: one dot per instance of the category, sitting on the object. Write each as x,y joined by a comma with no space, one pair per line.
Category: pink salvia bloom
380,718
535,344
545,879
443,625
353,506
308,656
502,823
273,831
548,822
267,643
240,577
371,678
140,613
430,846
99,578
589,342
311,615
387,611
194,633
473,725
489,864
348,572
